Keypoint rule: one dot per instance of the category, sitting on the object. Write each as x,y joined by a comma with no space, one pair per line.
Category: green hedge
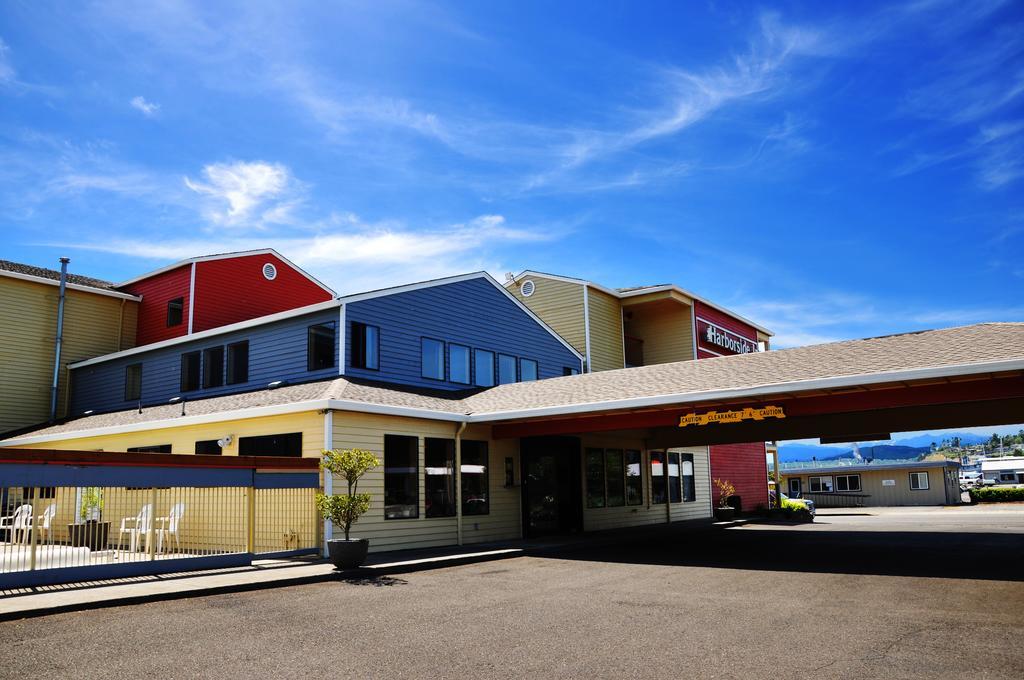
997,494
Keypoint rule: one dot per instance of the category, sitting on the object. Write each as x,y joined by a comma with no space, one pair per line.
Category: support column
458,480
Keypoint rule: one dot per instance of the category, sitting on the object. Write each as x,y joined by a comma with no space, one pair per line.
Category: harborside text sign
717,339
737,416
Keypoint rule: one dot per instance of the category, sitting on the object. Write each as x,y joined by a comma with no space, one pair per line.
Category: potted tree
724,512
89,531
345,509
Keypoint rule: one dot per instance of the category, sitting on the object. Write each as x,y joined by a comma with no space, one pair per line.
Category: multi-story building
647,325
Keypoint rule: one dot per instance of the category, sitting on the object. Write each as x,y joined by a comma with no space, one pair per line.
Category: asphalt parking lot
914,593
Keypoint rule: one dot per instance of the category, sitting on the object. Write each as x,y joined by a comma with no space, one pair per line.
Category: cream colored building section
93,325
560,305
597,519
666,328
605,331
879,494
366,431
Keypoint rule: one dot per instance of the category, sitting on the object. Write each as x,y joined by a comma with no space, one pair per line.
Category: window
475,490
1005,476
289,445
595,478
44,492
432,359
208,447
213,367
657,477
616,475
919,481
320,347
439,477
365,346
689,484
401,477
820,484
483,367
527,370
156,448
458,364
175,309
569,370
238,362
634,480
132,382
847,482
506,369
675,491
189,371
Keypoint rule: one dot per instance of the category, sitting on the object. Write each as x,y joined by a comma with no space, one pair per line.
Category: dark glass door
551,486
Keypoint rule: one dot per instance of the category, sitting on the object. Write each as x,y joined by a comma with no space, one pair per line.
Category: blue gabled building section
473,312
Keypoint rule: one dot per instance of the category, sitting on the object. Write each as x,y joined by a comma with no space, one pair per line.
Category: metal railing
107,515
839,499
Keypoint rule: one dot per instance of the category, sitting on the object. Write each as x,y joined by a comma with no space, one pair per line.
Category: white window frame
848,489
811,481
918,476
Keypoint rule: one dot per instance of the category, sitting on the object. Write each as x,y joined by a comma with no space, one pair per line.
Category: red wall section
722,320
234,289
155,292
746,467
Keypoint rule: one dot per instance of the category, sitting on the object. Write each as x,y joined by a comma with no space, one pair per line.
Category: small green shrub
351,464
997,494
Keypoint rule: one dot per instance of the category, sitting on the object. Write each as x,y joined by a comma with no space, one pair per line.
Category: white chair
19,522
168,526
44,520
137,527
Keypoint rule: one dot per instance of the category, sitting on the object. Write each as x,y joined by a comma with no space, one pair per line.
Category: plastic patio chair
44,520
136,527
168,526
19,522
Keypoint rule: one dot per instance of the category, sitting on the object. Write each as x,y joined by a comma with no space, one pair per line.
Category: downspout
586,326
778,477
458,479
191,296
328,477
60,336
120,327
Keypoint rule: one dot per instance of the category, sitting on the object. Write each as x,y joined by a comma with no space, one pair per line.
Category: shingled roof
966,350
54,275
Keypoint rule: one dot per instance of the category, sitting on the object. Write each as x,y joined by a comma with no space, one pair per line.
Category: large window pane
595,478
689,481
132,382
674,490
506,369
432,359
634,479
320,347
175,311
238,362
475,486
289,444
189,371
401,477
213,367
483,367
657,477
527,370
439,477
458,364
616,478
365,346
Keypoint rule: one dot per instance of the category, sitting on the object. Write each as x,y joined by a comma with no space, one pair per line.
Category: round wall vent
528,288
269,272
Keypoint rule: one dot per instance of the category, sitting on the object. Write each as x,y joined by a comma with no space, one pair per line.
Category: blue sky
830,171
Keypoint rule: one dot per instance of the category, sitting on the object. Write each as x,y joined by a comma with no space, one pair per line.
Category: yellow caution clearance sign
731,416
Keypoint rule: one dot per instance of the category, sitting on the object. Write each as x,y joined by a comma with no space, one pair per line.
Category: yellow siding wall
596,519
28,328
605,331
560,305
666,327
365,431
879,495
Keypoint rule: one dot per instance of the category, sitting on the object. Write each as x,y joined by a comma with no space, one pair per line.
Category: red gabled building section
744,465
218,290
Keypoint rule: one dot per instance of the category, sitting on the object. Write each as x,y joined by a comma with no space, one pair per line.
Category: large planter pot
90,534
725,514
347,554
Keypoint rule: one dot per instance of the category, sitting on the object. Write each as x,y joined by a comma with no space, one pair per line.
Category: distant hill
790,453
966,439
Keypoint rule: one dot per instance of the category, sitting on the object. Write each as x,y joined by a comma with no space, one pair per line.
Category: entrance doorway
552,499
794,487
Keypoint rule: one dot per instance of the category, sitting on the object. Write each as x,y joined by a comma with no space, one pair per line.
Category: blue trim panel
286,553
286,480
99,572
23,474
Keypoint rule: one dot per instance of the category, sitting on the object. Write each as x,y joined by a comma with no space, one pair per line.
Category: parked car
970,480
806,502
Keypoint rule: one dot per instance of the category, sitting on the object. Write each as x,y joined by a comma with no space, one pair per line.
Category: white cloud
246,194
148,109
7,72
